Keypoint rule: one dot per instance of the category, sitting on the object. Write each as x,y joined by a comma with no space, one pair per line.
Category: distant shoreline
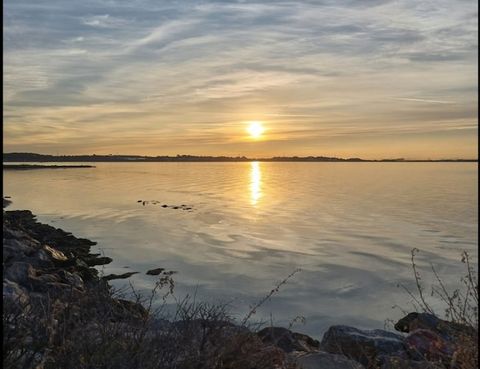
40,158
34,166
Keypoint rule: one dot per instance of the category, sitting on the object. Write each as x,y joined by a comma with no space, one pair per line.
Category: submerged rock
118,276
97,260
156,271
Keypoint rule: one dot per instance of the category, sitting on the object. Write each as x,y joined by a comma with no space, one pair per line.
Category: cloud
428,101
104,21
178,67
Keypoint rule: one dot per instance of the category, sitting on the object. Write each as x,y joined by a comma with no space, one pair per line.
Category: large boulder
396,362
325,360
424,344
448,330
363,346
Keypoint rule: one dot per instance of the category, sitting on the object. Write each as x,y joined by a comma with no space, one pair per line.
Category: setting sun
255,129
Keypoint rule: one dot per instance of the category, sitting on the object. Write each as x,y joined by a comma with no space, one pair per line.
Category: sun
255,129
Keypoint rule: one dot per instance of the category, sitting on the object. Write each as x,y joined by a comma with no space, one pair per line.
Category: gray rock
156,271
47,278
287,340
396,362
448,330
23,246
19,272
13,292
325,360
97,260
119,276
362,345
72,278
424,344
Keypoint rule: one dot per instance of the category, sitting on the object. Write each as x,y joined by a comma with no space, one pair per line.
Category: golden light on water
255,182
255,129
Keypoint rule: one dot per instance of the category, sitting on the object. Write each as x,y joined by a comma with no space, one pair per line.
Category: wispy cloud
428,101
104,21
195,71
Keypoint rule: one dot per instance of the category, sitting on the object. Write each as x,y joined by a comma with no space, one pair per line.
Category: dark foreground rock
363,346
325,360
448,330
287,340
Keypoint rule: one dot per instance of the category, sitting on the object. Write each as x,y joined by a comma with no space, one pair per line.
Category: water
349,227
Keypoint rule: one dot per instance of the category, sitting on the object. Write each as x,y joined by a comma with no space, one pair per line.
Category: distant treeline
32,157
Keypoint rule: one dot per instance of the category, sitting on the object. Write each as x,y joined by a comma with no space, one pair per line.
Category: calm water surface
349,227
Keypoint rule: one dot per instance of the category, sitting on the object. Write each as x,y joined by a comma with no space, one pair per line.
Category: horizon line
126,157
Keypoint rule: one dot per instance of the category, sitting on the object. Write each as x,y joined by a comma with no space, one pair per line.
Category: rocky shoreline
69,317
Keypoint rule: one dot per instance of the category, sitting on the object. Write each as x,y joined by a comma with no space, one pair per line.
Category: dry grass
101,329
461,309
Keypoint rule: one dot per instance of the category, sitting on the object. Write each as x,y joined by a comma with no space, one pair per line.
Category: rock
55,254
424,344
92,261
21,246
14,250
57,288
118,276
396,362
325,360
72,278
79,263
84,270
448,330
417,321
19,272
13,292
125,310
287,340
156,271
6,202
362,345
48,278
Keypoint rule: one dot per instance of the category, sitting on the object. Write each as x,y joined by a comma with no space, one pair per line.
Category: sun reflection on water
255,182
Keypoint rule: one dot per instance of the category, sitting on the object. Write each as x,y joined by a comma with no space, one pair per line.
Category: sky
347,78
